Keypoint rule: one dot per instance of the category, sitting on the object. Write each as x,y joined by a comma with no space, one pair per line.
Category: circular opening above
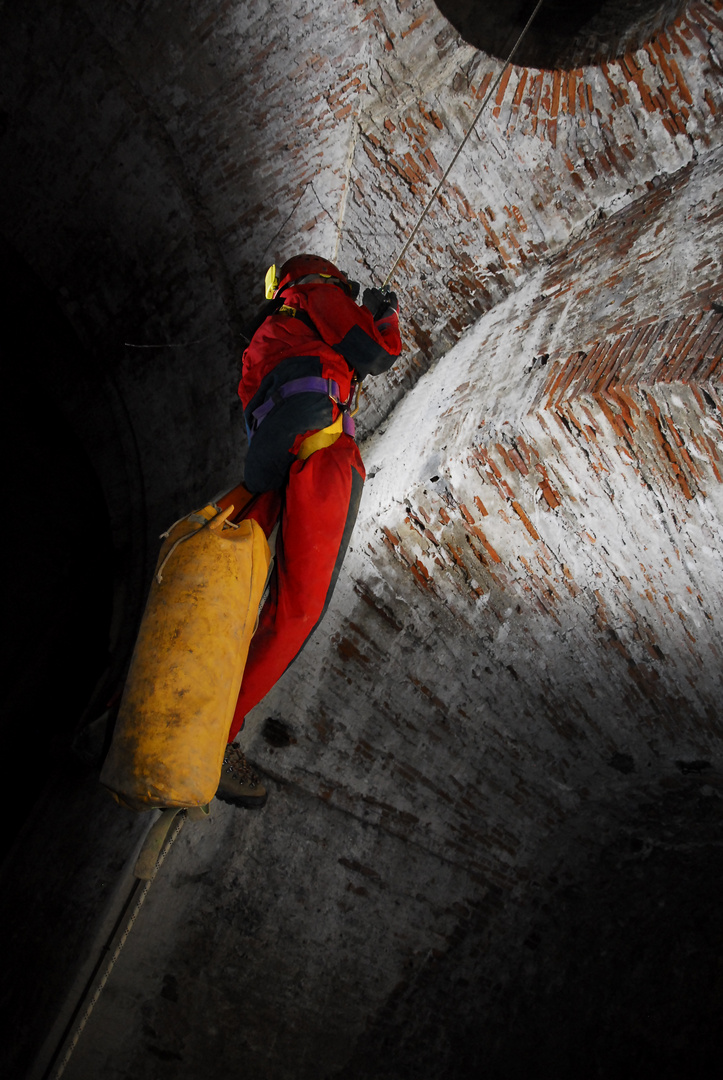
565,33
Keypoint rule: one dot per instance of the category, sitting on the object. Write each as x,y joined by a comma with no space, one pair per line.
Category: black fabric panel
293,367
269,459
363,353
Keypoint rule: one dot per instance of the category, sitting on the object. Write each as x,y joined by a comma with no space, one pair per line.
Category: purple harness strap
310,384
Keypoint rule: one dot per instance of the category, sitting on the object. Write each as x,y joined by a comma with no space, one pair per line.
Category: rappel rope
154,850
461,146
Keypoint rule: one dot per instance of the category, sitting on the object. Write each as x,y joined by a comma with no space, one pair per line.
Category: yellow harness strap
326,437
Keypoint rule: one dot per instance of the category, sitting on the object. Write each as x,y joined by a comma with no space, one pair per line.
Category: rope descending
447,171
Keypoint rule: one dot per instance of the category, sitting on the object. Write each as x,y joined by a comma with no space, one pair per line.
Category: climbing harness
461,146
309,384
327,436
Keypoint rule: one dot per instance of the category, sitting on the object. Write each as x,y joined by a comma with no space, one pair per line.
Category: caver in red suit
309,349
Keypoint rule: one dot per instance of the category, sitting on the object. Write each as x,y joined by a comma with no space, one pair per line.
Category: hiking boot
239,784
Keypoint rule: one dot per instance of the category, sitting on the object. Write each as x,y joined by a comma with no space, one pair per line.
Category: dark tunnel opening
60,562
565,34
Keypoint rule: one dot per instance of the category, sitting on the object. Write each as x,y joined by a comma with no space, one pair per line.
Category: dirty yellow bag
188,663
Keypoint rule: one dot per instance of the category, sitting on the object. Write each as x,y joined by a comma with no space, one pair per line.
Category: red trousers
316,512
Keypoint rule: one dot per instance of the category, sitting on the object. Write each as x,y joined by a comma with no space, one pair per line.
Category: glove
380,303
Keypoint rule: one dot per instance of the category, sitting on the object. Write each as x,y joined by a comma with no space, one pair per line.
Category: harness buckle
350,407
331,385
356,391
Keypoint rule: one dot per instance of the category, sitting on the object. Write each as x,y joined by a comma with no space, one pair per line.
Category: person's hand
380,303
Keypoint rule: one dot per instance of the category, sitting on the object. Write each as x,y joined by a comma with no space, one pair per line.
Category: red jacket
330,336
344,336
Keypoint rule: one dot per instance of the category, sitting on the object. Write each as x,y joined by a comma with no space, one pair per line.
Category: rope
461,146
172,344
209,523
100,974
356,127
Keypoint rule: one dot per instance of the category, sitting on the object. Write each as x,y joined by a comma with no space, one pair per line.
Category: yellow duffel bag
188,662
